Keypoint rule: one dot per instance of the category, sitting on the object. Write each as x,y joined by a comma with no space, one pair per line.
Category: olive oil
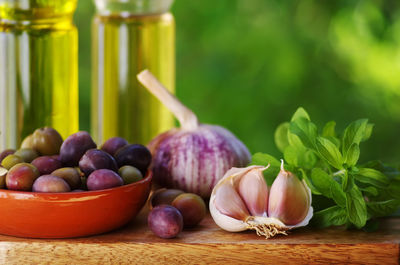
124,44
38,68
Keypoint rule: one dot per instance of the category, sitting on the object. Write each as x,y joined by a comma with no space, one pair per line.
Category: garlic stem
185,116
282,165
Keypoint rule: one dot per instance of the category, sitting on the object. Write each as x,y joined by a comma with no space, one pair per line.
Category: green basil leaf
328,187
329,152
393,189
370,190
334,140
390,172
309,182
300,113
295,142
352,155
308,159
334,215
305,130
354,133
372,177
262,159
356,207
382,208
281,136
290,156
368,132
329,129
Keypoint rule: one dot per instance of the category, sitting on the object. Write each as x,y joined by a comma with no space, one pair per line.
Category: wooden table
135,244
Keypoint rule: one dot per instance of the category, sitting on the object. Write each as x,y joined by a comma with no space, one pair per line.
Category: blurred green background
249,64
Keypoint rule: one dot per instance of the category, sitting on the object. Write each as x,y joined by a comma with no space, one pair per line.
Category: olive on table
164,196
192,208
165,221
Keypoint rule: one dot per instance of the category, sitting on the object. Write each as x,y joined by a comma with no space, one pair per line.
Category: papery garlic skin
195,160
289,198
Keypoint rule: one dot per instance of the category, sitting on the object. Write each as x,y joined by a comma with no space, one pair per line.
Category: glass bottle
38,68
128,37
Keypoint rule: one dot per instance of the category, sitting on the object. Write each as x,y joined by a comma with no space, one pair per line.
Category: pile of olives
46,163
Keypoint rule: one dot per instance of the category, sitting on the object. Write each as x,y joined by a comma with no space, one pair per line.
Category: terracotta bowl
72,214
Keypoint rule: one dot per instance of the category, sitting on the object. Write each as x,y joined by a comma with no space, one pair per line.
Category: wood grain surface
136,244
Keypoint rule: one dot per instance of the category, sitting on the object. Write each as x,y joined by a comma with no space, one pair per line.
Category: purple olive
112,145
135,155
164,196
74,147
46,164
165,221
50,183
103,179
5,153
95,159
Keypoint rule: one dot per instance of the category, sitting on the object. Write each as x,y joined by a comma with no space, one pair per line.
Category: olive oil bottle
128,37
38,68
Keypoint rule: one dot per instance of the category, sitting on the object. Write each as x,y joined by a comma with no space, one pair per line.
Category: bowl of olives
50,188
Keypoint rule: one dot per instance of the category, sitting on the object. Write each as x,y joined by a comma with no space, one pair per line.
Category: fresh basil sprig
344,192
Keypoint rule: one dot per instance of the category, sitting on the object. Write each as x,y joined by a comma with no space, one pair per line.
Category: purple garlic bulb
194,157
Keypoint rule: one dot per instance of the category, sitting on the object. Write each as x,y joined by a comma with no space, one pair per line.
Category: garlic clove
220,209
253,190
289,199
229,203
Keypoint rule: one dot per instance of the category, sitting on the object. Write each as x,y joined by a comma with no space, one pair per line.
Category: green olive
47,141
130,174
3,174
11,160
27,142
27,154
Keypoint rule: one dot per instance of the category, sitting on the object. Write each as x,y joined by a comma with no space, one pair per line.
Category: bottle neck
36,11
132,7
